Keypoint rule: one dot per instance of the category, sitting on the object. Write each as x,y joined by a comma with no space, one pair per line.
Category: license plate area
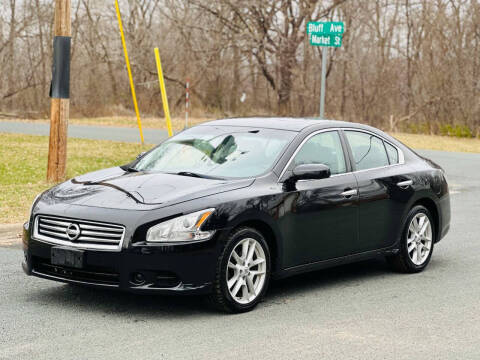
67,257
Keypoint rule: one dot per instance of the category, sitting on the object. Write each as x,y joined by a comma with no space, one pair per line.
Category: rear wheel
416,245
243,271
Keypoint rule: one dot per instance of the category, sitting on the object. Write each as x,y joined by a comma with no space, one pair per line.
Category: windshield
218,152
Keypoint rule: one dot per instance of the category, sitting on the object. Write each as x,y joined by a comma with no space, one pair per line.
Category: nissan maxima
224,207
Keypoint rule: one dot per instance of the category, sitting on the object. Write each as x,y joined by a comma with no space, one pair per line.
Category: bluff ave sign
325,34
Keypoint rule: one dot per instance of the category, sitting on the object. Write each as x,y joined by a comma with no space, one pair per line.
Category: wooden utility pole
59,111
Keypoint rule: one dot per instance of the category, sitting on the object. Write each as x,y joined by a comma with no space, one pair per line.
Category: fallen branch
394,122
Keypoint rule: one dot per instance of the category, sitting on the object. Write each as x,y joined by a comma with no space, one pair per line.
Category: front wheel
416,244
243,271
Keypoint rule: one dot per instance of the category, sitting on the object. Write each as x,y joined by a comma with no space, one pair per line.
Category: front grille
79,233
95,276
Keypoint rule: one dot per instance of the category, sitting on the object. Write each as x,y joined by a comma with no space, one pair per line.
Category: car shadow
341,275
107,301
144,306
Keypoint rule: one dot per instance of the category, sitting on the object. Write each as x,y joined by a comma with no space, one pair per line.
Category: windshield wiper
189,173
197,175
130,169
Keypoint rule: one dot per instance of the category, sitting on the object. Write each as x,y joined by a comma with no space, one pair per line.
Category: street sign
325,34
335,27
326,40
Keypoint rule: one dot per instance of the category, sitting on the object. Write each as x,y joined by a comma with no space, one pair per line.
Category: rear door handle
347,194
405,184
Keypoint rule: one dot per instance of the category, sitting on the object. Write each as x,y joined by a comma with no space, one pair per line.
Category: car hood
116,188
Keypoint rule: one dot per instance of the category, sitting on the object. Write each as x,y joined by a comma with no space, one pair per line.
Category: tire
257,273
407,261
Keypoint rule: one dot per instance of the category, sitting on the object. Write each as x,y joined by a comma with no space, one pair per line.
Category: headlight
181,229
34,203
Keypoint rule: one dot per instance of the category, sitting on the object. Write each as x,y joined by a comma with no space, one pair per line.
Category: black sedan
223,207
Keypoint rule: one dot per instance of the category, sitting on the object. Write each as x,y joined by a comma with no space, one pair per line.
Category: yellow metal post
132,86
164,92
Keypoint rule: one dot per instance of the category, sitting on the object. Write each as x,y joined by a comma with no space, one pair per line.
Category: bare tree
404,65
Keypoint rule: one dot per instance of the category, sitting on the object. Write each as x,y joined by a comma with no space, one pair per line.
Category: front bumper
173,269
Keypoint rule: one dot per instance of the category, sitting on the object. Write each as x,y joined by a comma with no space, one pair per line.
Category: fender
421,196
259,216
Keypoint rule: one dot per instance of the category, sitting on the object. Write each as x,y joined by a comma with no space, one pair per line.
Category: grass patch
23,167
436,142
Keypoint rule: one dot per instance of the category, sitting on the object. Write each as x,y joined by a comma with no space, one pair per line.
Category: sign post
187,101
322,82
325,34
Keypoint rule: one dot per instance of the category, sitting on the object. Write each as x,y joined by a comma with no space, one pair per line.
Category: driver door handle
347,194
405,184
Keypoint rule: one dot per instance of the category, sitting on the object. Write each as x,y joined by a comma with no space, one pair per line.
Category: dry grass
24,166
435,142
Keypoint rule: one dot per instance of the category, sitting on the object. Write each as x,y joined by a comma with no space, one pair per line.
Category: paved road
359,311
151,136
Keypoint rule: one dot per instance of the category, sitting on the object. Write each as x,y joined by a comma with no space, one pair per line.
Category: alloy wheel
419,238
246,271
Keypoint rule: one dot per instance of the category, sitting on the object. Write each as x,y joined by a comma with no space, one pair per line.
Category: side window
368,150
324,148
392,153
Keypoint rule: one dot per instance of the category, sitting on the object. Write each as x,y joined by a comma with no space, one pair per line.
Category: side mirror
140,155
311,172
307,172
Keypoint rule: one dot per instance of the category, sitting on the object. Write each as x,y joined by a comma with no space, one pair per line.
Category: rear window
392,153
368,150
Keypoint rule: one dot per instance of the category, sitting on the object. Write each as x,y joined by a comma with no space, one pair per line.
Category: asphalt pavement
357,311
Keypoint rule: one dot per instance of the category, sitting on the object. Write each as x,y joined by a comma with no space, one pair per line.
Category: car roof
282,123
299,124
